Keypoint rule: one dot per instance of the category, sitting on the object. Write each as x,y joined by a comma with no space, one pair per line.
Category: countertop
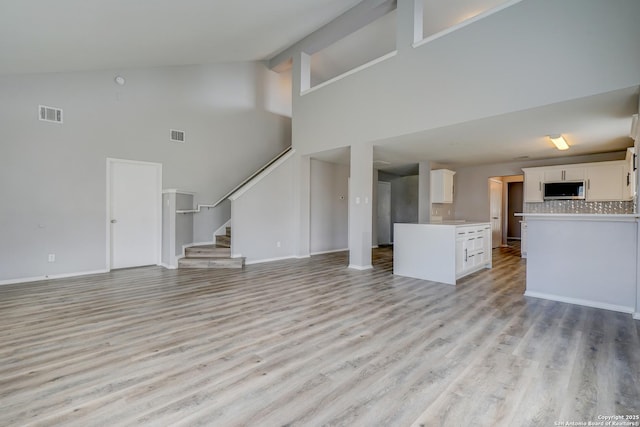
579,217
454,222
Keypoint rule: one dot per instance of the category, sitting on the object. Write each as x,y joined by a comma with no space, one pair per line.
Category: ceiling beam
352,20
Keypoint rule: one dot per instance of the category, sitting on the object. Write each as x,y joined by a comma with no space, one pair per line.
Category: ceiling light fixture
559,142
120,80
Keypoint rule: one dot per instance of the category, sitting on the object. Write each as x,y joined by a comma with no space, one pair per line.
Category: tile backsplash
579,207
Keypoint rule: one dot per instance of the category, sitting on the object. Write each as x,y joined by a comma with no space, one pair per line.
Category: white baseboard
302,256
636,315
360,267
577,301
50,277
260,261
168,266
328,252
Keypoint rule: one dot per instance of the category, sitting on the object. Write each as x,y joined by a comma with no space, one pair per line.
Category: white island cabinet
442,252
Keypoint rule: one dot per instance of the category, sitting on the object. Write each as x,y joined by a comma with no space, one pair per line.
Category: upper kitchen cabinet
606,181
565,173
442,186
630,169
533,180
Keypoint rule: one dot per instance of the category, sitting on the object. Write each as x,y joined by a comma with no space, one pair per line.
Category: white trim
168,267
577,301
360,267
465,23
222,231
352,71
50,277
110,161
261,175
260,261
302,256
177,191
636,315
329,252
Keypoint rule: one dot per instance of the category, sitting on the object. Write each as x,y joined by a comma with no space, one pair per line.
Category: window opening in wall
358,48
441,15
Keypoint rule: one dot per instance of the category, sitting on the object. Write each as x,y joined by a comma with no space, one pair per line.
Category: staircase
212,256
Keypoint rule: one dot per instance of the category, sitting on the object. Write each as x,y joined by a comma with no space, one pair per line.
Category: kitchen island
586,259
442,252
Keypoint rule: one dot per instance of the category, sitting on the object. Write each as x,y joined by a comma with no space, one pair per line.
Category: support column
302,204
301,73
424,192
360,206
409,23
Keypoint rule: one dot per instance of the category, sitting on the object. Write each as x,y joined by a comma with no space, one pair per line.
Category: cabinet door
564,173
487,245
460,255
575,174
553,174
442,186
533,186
605,182
629,184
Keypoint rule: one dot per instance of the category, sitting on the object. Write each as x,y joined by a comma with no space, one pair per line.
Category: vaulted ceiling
72,35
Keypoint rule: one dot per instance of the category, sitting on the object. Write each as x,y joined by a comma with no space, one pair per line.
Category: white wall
471,198
53,187
589,262
263,217
329,206
534,53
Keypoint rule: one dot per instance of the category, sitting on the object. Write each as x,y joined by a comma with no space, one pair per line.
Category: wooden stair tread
208,250
208,262
216,255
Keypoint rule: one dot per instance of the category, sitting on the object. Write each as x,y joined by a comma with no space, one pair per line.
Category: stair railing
237,187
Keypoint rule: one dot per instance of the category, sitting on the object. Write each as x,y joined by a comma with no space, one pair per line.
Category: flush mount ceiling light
120,81
559,142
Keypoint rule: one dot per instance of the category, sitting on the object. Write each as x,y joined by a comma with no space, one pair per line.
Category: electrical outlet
278,244
52,257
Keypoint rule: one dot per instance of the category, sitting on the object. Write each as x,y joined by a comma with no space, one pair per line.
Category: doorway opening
505,199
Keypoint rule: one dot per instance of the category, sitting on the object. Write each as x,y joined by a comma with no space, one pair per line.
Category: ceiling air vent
177,135
50,114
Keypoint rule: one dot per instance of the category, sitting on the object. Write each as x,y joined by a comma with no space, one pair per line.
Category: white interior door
384,213
134,213
495,210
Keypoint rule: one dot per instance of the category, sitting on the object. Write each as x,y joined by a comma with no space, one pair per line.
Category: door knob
113,221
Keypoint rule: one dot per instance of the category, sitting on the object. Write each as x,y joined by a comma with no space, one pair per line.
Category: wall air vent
177,135
50,114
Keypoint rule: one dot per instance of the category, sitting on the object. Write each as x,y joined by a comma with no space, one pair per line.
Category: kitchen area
579,235
441,250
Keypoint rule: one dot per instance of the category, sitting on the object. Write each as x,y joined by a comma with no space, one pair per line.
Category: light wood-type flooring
309,343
